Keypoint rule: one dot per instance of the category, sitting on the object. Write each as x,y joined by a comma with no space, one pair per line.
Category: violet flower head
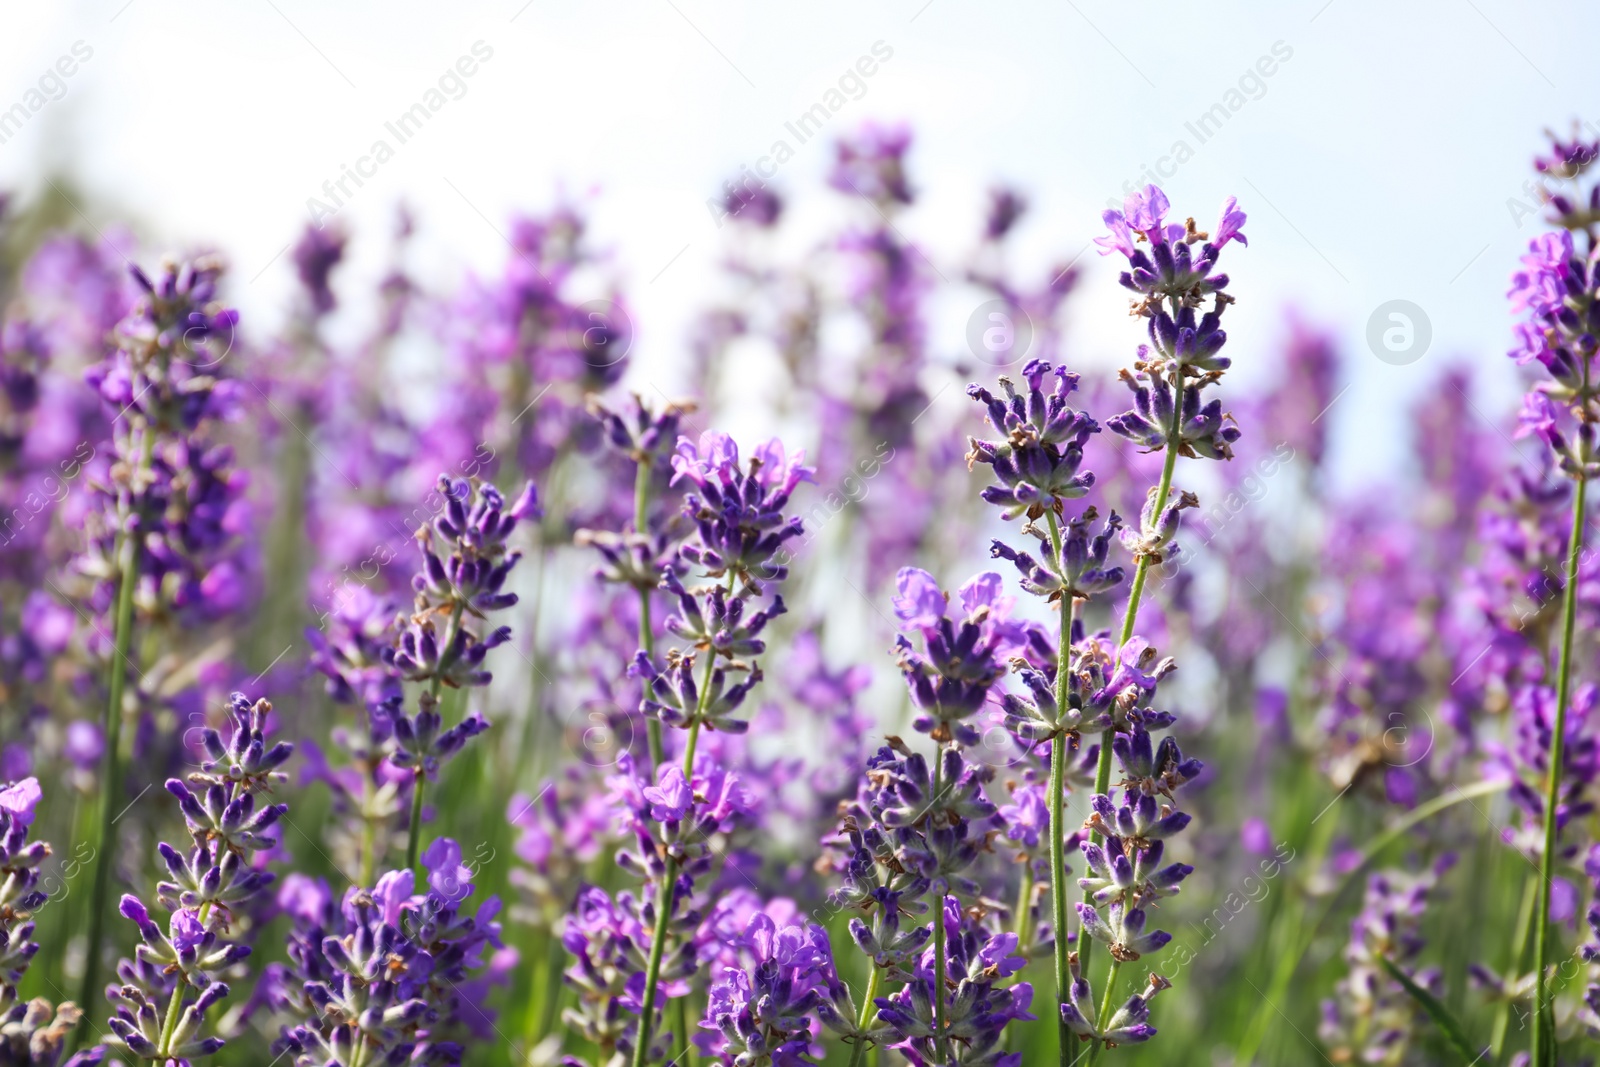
354,650
962,657
32,1031
1569,161
19,893
1201,430
640,432
1556,290
163,384
872,165
738,507
762,1014
465,566
1371,1016
1128,1025
208,894
315,256
1170,270
977,1007
395,972
1081,570
1037,463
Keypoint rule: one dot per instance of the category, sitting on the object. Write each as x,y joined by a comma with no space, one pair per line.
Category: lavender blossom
392,974
1037,462
964,659
1372,1017
156,1017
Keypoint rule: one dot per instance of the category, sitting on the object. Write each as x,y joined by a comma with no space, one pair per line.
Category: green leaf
1441,1016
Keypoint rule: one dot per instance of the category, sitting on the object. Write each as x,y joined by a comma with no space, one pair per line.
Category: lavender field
926,650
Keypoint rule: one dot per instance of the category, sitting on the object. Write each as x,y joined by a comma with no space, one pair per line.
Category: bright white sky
1377,164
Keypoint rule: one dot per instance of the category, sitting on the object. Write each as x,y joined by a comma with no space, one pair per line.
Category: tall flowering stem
736,507
638,558
161,379
1544,1027
465,564
1558,288
1038,470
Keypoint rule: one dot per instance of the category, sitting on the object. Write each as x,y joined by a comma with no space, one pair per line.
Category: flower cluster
627,949
176,492
1372,1018
759,1013
907,844
465,564
390,975
31,1032
164,992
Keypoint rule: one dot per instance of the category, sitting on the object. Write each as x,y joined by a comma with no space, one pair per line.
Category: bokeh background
1382,152
1387,159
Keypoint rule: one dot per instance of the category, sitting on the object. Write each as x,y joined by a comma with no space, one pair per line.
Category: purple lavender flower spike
1128,1025
31,1032
962,659
738,509
208,896
1037,464
1080,570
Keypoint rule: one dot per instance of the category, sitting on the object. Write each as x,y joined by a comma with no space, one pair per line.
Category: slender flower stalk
647,633
465,564
111,776
737,511
162,380
1059,747
1558,288
1544,1025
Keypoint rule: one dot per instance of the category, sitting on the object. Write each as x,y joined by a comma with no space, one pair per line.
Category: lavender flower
465,564
1037,462
738,509
964,659
762,1014
1372,1017
391,973
31,1032
156,1018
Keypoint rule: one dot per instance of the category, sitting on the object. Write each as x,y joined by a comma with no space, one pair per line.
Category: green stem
1544,1040
1025,908
128,562
683,1055
1056,801
169,1025
868,1012
704,700
647,635
414,836
1106,1000
369,829
652,974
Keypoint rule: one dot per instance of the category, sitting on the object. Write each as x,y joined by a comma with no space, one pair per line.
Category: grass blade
1441,1015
